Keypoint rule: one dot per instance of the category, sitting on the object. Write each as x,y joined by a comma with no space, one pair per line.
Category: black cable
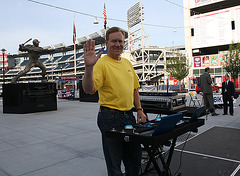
94,16
180,164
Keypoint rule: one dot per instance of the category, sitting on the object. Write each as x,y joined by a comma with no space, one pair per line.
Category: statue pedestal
23,98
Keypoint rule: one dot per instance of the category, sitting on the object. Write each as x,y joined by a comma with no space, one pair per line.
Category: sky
24,19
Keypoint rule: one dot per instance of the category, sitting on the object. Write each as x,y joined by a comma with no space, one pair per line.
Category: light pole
3,53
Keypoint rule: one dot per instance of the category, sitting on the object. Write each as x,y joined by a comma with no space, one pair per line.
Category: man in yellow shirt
116,82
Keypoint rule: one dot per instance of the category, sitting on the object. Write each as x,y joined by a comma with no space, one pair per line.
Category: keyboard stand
152,144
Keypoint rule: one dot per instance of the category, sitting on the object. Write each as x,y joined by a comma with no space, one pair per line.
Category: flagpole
74,29
75,69
105,19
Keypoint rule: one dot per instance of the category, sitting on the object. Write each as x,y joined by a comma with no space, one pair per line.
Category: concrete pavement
65,142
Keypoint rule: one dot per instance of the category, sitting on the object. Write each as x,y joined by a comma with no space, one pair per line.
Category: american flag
105,17
74,32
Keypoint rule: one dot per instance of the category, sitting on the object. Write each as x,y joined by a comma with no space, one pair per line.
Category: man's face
226,77
115,44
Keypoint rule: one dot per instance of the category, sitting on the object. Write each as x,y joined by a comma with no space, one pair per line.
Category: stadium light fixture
95,21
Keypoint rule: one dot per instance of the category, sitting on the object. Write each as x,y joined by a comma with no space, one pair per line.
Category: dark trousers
227,99
117,151
209,102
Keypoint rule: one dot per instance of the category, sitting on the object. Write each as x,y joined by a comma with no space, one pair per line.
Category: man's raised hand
90,58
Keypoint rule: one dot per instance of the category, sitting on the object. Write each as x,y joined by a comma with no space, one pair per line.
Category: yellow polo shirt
115,82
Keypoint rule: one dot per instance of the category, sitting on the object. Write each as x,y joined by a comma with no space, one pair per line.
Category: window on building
192,31
212,71
233,25
196,72
202,71
218,71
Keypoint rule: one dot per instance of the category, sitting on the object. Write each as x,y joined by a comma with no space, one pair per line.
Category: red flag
105,17
74,32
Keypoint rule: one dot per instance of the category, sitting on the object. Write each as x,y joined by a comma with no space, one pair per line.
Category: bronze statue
34,53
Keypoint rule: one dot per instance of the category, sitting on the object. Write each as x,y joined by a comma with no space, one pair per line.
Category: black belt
115,110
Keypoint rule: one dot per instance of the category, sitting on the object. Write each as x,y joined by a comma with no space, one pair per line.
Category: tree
178,67
232,64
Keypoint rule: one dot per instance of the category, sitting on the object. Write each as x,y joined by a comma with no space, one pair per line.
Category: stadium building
210,27
149,61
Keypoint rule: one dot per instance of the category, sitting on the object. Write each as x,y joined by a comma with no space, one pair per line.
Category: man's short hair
112,30
207,69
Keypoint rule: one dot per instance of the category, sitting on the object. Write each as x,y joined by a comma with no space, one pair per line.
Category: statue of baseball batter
34,53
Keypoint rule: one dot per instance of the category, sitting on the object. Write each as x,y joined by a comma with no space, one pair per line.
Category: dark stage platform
215,152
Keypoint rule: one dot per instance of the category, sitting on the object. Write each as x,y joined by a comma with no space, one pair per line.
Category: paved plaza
65,142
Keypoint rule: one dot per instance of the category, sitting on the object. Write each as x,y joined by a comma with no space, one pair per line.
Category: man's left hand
141,117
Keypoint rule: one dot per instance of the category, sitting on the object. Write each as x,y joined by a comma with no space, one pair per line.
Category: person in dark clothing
228,91
206,88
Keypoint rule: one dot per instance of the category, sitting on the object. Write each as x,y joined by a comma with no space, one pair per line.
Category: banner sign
214,60
197,3
197,61
217,98
66,94
205,61
213,28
